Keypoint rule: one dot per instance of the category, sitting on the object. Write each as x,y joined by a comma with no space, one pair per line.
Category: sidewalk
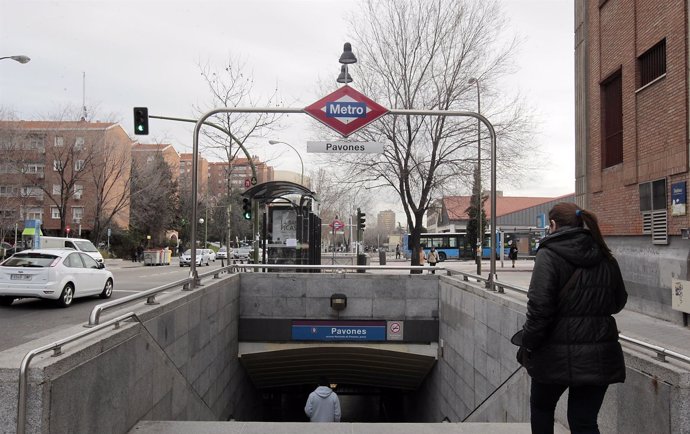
631,324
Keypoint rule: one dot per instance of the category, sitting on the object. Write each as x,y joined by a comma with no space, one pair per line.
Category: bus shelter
290,229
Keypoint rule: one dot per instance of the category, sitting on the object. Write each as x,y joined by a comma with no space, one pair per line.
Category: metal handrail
335,267
661,352
56,347
149,294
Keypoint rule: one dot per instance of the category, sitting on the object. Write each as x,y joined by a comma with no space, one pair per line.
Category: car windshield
30,260
222,249
85,245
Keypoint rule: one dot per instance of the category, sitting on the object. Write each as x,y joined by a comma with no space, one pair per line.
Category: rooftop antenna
83,96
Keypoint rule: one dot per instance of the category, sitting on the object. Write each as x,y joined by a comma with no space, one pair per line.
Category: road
30,318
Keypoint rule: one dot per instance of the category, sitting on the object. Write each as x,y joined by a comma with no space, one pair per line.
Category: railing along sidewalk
661,352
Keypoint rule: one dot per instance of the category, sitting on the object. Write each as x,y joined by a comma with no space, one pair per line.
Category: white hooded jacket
323,405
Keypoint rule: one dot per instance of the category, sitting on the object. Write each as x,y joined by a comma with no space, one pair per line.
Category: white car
211,254
60,275
222,253
202,257
245,252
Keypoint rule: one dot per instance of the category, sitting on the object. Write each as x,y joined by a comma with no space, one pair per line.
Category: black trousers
584,403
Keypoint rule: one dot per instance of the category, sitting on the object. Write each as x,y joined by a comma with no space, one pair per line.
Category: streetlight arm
275,142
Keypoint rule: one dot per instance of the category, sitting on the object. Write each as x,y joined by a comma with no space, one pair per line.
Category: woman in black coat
570,340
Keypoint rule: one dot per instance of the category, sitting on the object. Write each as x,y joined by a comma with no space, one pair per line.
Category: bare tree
233,86
422,55
154,198
110,175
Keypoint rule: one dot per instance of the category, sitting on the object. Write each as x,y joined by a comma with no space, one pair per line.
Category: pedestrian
397,251
432,257
323,404
513,252
570,338
140,253
180,249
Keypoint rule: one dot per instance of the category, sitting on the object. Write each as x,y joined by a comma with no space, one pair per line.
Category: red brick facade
655,116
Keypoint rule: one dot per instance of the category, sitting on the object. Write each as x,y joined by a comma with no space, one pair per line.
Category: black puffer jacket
574,340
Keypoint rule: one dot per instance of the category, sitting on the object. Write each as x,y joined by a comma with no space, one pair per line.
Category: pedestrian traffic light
141,121
246,208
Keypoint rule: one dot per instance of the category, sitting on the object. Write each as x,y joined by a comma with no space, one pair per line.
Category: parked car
245,252
59,275
211,254
202,257
222,253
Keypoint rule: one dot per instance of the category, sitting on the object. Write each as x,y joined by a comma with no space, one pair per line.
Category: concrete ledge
163,427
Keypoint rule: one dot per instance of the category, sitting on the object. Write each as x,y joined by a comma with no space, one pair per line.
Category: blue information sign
338,330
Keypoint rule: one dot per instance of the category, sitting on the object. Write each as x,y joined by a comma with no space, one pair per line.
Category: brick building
631,63
239,171
53,171
143,154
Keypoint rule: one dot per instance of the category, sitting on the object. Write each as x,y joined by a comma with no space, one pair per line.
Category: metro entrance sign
346,110
337,225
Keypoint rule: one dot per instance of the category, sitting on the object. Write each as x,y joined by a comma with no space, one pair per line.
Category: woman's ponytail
590,220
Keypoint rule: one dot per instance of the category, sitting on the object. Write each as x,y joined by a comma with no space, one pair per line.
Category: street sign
337,225
342,147
346,110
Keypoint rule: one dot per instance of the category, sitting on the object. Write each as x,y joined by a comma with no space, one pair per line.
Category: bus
453,245
526,239
449,245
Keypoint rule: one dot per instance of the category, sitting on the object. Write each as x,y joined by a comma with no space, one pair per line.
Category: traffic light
141,121
246,208
361,220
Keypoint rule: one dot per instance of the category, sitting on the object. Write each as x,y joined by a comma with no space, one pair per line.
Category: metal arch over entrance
276,189
402,112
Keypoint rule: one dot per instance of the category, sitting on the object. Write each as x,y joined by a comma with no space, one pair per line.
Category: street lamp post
21,58
480,232
204,222
275,142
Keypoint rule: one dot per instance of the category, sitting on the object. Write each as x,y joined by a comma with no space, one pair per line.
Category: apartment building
385,221
71,175
632,155
239,173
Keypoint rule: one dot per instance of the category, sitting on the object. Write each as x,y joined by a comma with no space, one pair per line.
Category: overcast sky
146,53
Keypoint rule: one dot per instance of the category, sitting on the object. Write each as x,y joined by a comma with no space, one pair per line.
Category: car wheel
441,256
181,265
6,301
67,296
107,289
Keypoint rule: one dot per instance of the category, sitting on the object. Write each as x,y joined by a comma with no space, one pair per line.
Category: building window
79,165
59,141
612,120
653,208
79,143
77,213
652,63
36,142
57,165
56,189
54,213
31,191
8,190
78,190
31,214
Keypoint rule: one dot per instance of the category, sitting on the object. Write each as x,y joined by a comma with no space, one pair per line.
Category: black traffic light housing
246,209
361,220
141,121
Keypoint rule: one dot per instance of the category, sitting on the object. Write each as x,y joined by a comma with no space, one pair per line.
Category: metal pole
480,229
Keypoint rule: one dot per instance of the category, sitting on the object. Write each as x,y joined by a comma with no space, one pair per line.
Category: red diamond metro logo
346,110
